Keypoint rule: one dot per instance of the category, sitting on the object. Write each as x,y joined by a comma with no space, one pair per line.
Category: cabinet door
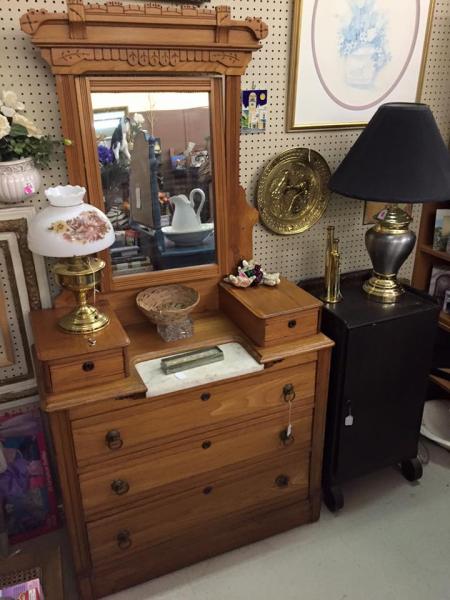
385,384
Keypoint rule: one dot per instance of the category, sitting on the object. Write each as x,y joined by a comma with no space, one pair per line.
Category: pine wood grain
156,522
178,413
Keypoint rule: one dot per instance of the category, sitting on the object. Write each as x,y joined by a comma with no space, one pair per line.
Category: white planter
19,179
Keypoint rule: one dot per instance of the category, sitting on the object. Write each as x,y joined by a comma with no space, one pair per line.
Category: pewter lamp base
389,243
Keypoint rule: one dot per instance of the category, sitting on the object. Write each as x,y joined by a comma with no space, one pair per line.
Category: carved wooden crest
115,36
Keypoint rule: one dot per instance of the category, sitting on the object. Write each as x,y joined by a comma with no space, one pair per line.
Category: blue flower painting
363,43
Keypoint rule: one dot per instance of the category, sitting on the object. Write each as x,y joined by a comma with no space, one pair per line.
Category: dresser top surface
145,344
265,301
52,343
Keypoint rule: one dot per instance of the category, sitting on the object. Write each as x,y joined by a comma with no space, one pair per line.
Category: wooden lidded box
272,315
71,361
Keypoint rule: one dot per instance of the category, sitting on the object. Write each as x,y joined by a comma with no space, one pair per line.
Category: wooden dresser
153,484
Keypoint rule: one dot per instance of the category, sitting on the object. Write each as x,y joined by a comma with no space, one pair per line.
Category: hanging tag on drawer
348,420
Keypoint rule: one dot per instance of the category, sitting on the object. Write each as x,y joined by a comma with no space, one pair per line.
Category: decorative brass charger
293,192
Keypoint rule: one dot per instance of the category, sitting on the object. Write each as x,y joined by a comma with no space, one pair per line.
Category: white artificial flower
9,98
7,111
31,128
5,127
138,118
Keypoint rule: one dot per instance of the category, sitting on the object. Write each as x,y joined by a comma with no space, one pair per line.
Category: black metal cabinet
378,382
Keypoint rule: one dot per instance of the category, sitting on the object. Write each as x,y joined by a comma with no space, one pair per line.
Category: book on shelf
440,286
441,238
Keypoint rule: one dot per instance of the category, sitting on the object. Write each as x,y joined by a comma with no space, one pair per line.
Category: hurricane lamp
72,230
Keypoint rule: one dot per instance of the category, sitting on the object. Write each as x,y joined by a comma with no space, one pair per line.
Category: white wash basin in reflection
193,237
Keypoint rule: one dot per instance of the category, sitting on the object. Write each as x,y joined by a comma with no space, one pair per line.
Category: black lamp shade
399,157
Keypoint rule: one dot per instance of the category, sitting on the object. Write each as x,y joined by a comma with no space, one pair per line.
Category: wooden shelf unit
427,256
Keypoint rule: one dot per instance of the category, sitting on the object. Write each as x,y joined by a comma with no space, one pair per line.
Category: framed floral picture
350,56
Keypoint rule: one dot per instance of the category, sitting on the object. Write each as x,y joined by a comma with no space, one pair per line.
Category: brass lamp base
84,319
384,288
389,244
81,275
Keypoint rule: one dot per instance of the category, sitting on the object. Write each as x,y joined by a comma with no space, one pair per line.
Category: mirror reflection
154,155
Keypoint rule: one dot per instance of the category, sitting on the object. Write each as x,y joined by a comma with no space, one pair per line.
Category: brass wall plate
293,192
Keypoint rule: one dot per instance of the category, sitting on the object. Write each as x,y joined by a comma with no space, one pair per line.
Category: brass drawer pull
120,487
88,366
289,393
207,444
113,440
282,481
208,489
124,539
292,324
205,396
285,438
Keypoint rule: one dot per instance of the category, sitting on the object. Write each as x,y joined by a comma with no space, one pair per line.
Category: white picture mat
313,105
14,214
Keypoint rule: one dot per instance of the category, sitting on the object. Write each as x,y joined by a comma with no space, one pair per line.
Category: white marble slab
236,362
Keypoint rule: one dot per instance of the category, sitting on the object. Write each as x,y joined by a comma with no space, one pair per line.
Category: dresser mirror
155,161
150,98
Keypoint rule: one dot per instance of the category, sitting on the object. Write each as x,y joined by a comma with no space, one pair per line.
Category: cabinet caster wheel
411,469
333,498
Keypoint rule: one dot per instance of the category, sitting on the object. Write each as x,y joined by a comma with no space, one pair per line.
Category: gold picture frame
416,58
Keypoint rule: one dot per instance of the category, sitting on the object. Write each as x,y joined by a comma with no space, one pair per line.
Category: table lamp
399,157
71,229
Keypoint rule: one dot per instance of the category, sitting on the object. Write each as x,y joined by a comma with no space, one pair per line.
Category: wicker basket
167,304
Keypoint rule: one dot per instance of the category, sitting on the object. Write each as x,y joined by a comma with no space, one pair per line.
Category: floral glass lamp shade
70,229
400,157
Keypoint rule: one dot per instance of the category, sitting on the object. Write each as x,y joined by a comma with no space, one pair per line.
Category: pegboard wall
298,256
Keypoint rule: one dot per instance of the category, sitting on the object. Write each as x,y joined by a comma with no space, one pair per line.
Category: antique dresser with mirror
156,478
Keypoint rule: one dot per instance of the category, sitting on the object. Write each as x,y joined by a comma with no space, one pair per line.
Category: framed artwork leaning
350,56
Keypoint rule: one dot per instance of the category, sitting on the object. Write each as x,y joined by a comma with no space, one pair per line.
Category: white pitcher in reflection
185,218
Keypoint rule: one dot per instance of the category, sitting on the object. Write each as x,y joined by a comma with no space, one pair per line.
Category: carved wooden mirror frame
97,44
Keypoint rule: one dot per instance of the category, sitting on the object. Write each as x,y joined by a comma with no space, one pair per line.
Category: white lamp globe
68,226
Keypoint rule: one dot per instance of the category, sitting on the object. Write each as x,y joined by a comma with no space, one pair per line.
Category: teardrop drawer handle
287,440
113,440
292,324
205,396
88,366
124,539
289,392
282,481
120,487
208,489
206,444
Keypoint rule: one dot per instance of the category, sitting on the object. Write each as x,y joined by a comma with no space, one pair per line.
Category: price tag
348,420
180,375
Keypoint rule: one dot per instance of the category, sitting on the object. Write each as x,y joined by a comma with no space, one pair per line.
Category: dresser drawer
123,482
86,371
119,536
291,327
271,316
160,420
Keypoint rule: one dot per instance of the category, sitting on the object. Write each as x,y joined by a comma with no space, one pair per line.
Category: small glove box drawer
272,315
